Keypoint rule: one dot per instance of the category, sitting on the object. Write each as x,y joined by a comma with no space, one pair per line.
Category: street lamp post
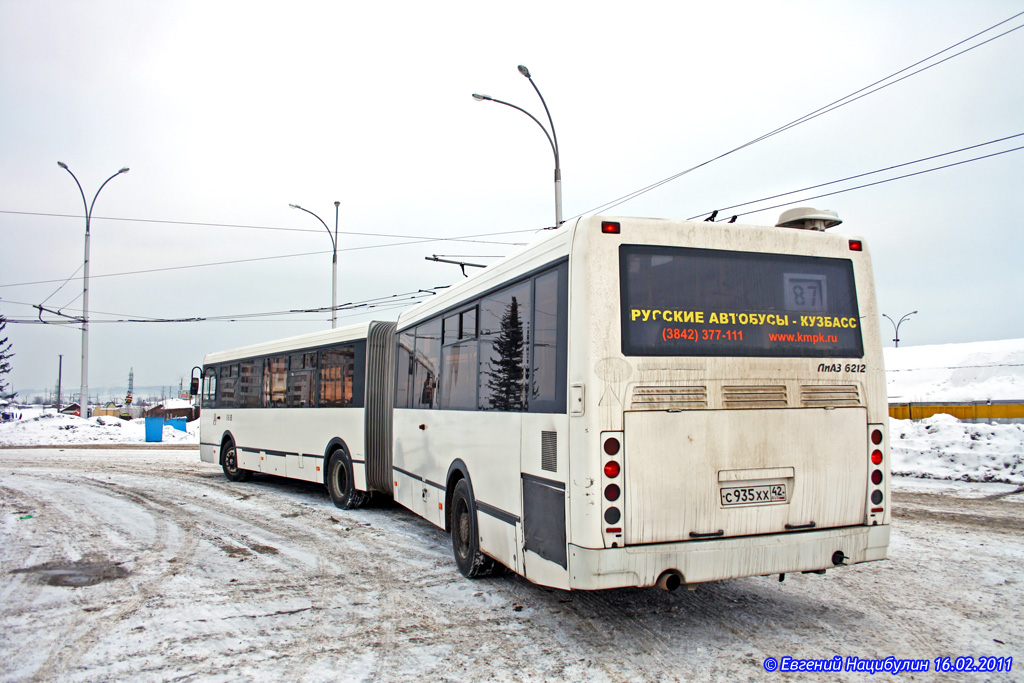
552,137
896,326
83,401
334,268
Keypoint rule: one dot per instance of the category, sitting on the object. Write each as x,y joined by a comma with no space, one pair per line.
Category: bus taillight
610,227
877,477
856,245
612,447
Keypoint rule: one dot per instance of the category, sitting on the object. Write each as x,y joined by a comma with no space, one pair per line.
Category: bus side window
209,397
459,362
427,361
404,368
228,381
548,367
275,377
301,380
336,376
504,326
249,384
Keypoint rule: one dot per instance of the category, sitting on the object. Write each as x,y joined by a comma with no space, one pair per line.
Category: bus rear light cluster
877,477
611,448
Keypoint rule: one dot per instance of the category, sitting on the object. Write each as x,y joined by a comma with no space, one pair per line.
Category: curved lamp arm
488,98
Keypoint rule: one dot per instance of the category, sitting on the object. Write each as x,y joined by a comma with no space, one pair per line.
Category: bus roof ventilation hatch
808,218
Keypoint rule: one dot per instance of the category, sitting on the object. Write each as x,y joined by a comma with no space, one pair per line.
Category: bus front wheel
341,485
465,536
229,462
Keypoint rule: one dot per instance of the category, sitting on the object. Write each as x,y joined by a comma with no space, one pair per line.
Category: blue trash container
154,429
178,423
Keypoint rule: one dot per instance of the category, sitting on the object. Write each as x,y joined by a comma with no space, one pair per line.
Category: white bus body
289,421
638,402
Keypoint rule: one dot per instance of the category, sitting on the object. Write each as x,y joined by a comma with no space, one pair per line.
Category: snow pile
941,447
52,429
977,371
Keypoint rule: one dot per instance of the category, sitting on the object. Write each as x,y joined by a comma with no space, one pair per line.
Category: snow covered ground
37,428
148,565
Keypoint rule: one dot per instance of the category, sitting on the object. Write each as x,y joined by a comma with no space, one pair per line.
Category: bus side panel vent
549,451
754,397
669,398
820,396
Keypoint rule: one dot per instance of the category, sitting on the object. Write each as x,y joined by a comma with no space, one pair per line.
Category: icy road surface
147,565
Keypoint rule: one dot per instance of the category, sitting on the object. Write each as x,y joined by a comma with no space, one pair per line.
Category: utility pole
60,372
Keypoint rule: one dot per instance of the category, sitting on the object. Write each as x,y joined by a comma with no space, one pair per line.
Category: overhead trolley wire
862,175
841,102
466,238
880,182
251,260
386,302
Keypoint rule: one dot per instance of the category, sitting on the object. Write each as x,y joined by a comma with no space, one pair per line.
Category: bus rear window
680,301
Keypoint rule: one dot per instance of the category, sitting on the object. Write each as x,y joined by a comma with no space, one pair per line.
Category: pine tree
5,363
505,374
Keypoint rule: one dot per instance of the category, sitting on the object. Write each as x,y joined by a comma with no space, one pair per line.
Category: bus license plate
753,495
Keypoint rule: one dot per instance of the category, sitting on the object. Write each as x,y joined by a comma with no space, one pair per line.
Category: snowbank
941,447
51,429
976,371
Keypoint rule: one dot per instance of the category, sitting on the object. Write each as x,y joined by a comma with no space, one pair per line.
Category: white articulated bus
626,402
315,407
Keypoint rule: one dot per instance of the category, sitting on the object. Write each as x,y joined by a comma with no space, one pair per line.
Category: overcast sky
227,112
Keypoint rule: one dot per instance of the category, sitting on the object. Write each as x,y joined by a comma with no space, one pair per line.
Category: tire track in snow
81,636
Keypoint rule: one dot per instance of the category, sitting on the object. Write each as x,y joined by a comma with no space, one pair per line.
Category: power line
466,238
63,284
168,268
860,175
421,240
880,182
387,302
841,102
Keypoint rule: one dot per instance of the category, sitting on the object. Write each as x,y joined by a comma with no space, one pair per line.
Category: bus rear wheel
341,485
465,536
229,463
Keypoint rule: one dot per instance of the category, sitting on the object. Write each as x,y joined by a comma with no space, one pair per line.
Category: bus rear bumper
727,558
